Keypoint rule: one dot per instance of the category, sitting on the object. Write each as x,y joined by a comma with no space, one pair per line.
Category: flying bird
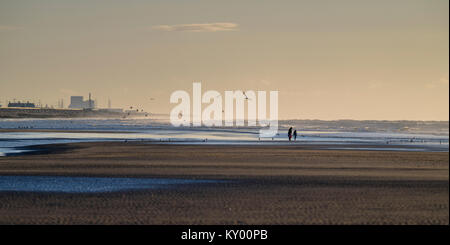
246,97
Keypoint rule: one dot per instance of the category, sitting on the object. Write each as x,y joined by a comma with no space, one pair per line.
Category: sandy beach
295,184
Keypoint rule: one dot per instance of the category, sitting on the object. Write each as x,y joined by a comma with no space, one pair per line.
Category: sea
339,134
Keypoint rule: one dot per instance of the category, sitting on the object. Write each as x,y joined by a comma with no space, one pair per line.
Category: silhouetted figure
295,135
290,133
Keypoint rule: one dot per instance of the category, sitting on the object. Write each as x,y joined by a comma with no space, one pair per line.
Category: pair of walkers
290,134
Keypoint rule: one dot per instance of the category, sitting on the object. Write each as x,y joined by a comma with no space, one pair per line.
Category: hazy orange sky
385,60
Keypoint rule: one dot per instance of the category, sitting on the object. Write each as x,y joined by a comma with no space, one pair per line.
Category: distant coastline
60,113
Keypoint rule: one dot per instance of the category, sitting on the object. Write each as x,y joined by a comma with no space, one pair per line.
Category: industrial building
77,102
21,104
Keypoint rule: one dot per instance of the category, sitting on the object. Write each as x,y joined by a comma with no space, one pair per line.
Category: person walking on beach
290,133
295,135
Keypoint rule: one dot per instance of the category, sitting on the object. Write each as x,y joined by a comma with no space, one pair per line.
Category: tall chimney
90,101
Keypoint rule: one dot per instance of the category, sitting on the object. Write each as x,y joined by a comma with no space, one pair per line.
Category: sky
347,59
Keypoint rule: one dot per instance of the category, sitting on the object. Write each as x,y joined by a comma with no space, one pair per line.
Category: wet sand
296,184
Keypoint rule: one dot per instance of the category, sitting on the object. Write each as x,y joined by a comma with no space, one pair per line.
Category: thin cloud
375,84
8,28
207,27
443,82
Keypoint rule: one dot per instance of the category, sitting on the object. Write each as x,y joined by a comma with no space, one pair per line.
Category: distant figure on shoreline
295,135
290,133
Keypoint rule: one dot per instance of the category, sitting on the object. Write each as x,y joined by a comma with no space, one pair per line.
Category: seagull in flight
246,97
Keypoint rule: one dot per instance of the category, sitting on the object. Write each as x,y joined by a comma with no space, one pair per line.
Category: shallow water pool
88,184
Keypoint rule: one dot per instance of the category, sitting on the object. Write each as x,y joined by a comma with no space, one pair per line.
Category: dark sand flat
262,185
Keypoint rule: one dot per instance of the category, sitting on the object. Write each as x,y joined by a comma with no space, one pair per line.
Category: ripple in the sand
88,184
